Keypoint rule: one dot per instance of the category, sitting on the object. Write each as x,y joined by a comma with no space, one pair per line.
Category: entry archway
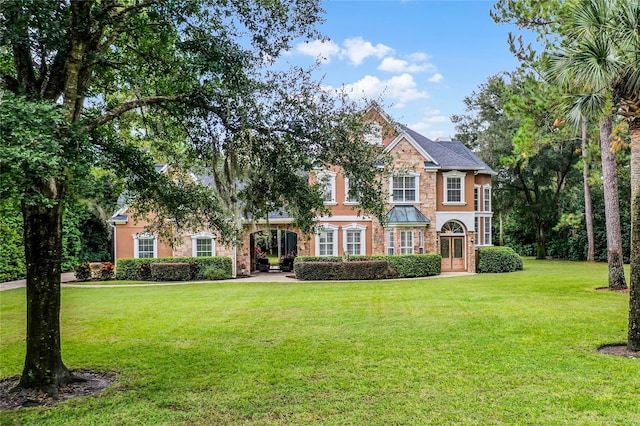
453,246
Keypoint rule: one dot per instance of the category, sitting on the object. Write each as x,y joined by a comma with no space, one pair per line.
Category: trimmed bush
139,269
359,270
83,271
498,259
214,273
400,266
175,271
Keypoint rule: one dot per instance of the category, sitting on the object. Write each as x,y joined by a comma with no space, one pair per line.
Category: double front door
452,252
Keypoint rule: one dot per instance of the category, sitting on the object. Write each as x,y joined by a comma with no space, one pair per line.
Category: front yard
516,348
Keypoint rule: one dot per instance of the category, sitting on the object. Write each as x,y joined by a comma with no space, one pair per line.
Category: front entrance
453,247
271,249
452,252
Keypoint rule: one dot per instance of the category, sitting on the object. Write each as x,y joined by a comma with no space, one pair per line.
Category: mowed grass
492,349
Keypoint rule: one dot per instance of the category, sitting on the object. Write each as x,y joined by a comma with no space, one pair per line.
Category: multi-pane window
487,198
350,196
476,198
146,248
354,241
454,190
204,247
454,187
477,230
390,242
487,230
404,189
328,181
326,241
406,241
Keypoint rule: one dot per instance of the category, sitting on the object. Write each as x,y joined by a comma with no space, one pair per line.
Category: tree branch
133,104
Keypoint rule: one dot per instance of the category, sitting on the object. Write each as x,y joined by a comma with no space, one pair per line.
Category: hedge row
399,266
498,259
359,270
200,268
174,271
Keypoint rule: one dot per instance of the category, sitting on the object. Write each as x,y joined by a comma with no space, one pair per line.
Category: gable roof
450,155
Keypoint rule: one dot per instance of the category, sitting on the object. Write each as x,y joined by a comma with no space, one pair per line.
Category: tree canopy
121,85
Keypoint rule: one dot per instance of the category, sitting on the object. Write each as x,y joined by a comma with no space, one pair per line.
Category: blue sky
420,57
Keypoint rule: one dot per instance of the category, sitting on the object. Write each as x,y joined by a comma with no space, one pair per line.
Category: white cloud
398,90
426,126
323,50
357,50
436,78
419,57
400,65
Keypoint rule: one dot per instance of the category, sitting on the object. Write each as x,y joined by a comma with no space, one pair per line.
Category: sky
420,58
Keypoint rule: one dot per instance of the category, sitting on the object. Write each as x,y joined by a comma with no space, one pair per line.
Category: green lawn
515,348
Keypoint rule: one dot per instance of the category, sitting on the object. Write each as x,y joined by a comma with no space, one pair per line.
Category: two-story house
439,202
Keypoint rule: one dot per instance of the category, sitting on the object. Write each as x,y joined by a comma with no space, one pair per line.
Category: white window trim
486,231
363,237
202,236
445,195
330,178
410,232
327,228
477,189
144,236
346,194
415,175
486,188
390,243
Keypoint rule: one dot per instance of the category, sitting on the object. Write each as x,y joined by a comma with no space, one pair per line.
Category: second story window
404,189
328,180
350,196
476,198
487,198
454,188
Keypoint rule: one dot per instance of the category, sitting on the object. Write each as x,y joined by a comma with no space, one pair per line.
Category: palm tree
601,52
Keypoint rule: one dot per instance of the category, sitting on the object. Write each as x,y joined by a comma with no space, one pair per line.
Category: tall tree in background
108,82
601,53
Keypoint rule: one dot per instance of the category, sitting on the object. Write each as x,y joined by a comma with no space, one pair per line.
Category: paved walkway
68,280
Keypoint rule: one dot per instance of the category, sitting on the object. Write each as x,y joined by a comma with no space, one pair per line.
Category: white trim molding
144,236
416,188
328,179
202,236
363,237
454,174
328,229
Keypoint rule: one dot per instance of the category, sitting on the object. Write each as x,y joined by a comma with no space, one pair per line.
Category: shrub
399,266
83,271
350,270
106,271
498,259
169,271
214,273
139,269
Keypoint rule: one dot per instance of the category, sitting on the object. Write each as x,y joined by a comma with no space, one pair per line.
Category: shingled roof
450,155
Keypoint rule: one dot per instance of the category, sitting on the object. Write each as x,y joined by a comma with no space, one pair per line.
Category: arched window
453,227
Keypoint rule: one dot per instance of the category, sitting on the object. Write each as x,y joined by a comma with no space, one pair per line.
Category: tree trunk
43,367
588,206
634,295
501,240
617,279
541,251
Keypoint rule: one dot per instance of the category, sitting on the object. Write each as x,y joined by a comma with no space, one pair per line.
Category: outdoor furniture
263,265
286,264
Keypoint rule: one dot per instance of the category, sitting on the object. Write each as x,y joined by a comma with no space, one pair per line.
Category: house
440,202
